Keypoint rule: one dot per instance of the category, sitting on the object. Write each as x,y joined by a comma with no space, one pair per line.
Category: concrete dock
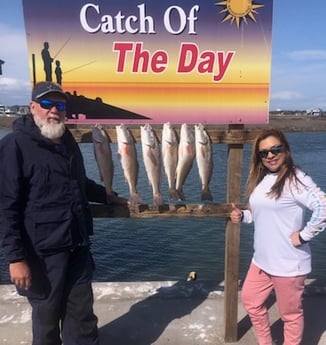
164,313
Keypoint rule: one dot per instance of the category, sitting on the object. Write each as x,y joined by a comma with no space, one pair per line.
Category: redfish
186,155
204,158
170,146
152,161
128,158
103,155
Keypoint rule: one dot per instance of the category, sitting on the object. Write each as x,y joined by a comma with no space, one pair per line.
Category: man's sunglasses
275,150
48,104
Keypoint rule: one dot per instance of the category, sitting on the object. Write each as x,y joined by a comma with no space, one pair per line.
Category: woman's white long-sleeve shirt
276,219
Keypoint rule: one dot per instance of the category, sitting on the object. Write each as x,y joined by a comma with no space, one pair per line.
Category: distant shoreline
288,123
293,123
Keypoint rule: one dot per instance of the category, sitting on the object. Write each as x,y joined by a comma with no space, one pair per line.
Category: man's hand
20,274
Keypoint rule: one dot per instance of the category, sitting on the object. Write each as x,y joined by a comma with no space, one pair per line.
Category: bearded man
45,221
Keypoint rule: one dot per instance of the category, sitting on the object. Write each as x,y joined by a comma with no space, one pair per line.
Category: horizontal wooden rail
167,210
83,133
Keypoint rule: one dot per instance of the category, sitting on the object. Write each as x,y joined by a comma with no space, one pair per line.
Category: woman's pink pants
256,289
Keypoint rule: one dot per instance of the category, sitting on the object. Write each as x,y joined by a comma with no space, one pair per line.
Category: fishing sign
155,62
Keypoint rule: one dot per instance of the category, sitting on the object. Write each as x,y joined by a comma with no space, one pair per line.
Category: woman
279,193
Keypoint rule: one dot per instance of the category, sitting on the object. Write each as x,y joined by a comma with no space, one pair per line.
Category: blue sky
298,55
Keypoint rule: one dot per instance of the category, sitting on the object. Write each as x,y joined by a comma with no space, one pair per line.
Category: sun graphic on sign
238,10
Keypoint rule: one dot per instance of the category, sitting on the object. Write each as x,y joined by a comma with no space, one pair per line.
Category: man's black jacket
44,193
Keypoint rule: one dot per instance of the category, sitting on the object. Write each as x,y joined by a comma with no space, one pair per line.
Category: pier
165,313
203,312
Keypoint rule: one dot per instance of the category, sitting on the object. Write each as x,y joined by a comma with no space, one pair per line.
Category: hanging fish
170,158
128,158
152,161
186,155
204,158
103,156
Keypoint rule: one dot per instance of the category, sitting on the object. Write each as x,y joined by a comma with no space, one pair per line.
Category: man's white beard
50,130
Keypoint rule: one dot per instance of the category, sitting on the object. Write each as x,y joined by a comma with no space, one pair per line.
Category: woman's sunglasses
48,104
275,150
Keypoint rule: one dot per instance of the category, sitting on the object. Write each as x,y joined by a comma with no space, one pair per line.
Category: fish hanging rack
233,135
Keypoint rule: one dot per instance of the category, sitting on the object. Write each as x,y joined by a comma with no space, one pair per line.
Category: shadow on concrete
315,312
314,304
146,320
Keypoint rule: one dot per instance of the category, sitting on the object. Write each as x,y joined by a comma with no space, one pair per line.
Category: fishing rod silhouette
78,67
59,51
72,69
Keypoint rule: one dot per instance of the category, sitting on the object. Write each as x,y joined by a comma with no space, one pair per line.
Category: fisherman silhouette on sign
58,72
1,63
47,62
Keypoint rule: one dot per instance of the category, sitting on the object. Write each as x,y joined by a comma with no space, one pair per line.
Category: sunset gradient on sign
188,93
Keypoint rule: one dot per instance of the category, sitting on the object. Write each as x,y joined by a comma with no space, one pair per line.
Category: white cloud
14,91
303,55
12,84
15,85
286,95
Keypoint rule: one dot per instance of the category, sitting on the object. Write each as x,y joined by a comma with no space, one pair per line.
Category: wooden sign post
232,242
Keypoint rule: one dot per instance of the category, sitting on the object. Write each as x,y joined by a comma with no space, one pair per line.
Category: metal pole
33,69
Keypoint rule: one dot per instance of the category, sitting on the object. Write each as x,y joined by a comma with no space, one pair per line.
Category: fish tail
109,190
206,194
181,195
173,194
135,199
158,199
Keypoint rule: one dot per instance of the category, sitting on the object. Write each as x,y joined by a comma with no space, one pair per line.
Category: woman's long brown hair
257,170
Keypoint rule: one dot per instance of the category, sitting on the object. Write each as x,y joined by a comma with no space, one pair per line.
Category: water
167,249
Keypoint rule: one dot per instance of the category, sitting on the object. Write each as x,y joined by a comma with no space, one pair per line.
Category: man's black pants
61,297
